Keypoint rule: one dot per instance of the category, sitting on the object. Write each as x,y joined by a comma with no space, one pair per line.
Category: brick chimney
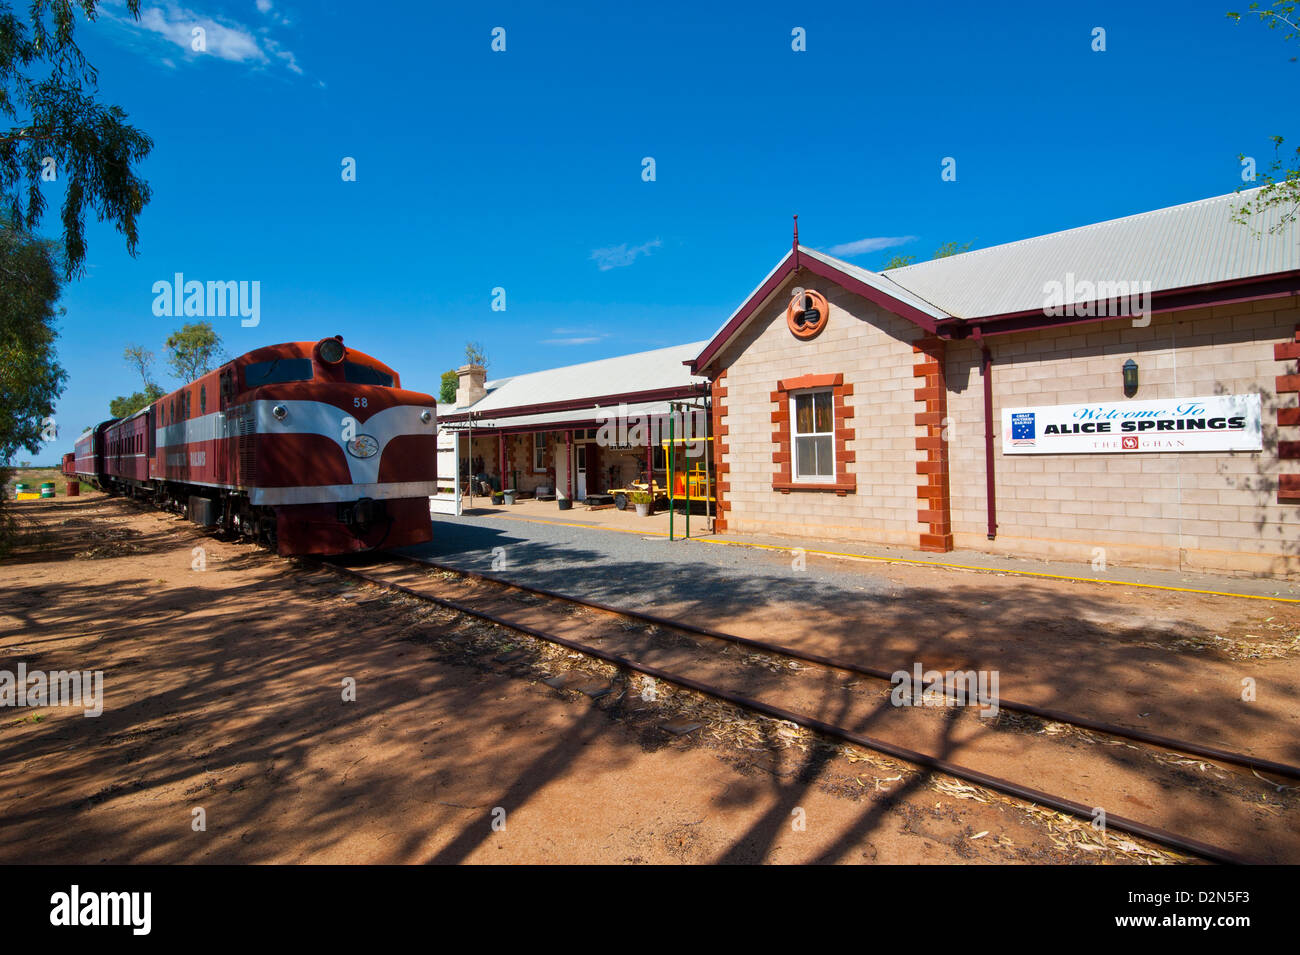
470,385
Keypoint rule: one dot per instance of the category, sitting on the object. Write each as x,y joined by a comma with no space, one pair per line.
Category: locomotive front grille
362,513
246,443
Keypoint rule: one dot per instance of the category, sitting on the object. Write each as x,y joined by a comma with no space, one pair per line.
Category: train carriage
88,456
127,448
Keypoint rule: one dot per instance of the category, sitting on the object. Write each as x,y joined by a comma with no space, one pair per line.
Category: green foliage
897,262
1279,13
945,250
475,355
49,98
640,497
950,248
1280,187
121,407
53,131
8,524
194,350
141,359
30,377
1280,183
447,390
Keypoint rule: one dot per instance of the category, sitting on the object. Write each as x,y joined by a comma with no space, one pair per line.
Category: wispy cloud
874,244
618,256
575,336
221,37
267,9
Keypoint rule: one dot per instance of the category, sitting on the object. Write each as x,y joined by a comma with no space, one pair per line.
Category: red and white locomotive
311,447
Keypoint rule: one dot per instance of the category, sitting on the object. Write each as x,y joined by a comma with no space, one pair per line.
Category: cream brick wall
1194,510
872,348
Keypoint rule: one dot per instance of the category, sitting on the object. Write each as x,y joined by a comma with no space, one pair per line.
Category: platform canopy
573,396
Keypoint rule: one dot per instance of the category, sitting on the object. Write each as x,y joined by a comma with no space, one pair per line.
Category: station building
1123,392
576,431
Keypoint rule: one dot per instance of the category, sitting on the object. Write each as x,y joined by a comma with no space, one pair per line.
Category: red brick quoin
933,506
721,486
1288,485
782,479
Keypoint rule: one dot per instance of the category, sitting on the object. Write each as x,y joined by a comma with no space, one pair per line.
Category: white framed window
539,451
812,433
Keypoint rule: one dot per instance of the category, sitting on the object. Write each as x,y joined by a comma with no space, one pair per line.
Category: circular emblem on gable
363,446
807,312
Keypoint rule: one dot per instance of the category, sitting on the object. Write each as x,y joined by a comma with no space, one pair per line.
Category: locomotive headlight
280,412
330,350
426,416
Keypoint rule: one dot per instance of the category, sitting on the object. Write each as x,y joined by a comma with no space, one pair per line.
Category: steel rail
1214,753
1058,803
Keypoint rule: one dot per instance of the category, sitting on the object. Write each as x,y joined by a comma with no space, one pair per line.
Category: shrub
8,520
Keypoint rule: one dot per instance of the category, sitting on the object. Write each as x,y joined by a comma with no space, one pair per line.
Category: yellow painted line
914,562
1003,570
589,527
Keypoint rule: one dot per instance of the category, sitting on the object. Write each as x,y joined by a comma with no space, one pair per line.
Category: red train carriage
312,447
88,458
127,450
69,467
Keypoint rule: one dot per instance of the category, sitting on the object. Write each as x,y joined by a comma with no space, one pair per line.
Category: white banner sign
1215,423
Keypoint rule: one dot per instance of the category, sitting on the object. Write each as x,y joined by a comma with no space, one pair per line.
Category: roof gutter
578,404
1235,291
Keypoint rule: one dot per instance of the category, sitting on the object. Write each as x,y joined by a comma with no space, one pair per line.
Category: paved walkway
627,560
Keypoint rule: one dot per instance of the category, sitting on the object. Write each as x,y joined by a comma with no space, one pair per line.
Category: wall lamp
1130,378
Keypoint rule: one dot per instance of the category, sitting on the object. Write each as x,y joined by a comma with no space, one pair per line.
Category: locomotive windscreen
365,375
277,371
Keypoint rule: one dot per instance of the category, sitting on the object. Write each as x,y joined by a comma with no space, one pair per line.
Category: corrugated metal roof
624,374
874,279
879,281
1196,243
555,420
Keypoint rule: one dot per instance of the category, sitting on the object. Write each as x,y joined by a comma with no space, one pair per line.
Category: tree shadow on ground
229,699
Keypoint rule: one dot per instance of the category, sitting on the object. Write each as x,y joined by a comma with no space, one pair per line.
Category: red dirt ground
224,694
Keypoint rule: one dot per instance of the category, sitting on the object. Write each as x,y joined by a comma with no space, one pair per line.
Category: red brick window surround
1288,449
783,457
934,507
722,486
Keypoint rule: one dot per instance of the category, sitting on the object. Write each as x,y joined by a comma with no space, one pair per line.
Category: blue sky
522,169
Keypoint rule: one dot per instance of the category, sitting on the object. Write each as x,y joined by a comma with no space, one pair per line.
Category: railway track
1216,754
422,587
